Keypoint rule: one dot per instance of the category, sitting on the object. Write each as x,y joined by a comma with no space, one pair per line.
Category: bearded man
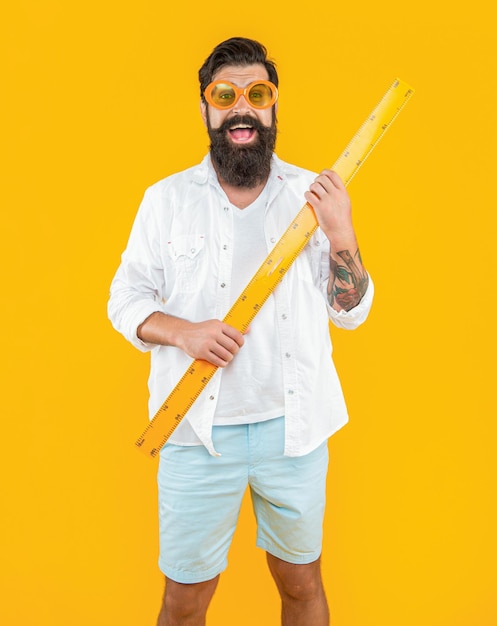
265,417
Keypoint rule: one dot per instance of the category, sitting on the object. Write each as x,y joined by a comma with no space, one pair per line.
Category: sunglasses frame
239,92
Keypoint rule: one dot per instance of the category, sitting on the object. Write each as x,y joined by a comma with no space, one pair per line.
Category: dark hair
235,51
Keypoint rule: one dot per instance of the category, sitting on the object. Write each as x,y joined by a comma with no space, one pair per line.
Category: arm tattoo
348,282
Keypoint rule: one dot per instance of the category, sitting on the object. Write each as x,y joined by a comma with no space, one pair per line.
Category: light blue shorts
200,498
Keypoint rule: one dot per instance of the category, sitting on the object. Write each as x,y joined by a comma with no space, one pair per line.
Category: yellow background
89,121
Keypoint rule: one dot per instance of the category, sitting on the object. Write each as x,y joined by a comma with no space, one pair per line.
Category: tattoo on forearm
348,282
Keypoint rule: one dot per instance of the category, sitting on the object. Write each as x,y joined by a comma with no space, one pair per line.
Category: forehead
241,76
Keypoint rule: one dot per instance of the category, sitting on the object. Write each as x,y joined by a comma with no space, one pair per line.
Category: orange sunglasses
222,94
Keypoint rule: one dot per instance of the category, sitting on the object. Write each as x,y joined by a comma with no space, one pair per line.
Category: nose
242,105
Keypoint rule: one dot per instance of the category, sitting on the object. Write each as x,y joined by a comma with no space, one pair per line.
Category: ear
203,111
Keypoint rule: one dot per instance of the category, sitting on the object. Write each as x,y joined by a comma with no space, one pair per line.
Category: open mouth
242,133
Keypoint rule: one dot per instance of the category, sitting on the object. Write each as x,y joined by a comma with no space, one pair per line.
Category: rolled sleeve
137,289
126,319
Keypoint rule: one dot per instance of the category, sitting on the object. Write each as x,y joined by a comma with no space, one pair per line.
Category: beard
240,165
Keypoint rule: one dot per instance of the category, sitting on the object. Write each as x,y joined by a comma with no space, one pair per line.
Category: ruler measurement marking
271,272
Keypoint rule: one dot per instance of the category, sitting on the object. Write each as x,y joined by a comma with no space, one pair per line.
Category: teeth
241,126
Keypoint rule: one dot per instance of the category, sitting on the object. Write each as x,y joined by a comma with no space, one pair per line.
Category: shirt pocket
186,253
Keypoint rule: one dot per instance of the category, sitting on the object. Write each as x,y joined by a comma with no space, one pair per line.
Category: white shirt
179,260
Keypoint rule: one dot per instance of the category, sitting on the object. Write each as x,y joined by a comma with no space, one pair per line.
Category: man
264,419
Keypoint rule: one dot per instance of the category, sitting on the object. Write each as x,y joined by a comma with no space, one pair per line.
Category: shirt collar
205,172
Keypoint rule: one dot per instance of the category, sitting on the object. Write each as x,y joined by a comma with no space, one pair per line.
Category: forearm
348,278
161,329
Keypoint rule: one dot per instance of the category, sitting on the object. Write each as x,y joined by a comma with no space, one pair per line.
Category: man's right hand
212,340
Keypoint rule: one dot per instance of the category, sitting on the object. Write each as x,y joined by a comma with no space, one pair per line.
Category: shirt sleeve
138,288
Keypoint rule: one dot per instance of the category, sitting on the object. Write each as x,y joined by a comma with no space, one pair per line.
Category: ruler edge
307,206
407,96
150,426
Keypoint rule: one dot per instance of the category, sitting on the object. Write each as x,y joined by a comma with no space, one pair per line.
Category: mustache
236,120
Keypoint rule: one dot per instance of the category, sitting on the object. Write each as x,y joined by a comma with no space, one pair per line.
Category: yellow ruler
272,270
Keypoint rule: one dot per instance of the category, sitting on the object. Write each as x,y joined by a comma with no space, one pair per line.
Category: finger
329,180
317,189
334,178
233,334
323,184
220,357
312,198
325,179
225,347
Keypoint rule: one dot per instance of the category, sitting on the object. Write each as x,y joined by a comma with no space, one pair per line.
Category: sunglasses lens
222,96
261,95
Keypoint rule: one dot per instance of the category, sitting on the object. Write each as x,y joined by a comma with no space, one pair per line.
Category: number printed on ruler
272,270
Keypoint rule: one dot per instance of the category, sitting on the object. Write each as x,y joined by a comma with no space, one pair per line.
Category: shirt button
223,285
226,208
290,392
283,317
192,250
211,397
288,355
273,239
225,247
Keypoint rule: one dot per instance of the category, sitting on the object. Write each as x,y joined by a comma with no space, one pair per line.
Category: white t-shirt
259,396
